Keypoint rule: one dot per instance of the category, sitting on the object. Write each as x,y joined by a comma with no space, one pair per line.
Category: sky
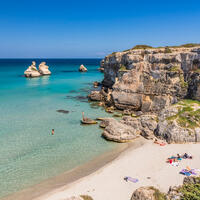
93,28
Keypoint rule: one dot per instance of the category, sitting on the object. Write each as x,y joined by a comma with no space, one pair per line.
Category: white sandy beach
146,161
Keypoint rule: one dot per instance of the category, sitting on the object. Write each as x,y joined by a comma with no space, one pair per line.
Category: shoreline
70,177
147,163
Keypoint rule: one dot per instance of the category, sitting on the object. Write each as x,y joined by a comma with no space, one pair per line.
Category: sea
29,154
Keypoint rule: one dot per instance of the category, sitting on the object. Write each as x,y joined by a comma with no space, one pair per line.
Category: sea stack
32,71
44,69
82,68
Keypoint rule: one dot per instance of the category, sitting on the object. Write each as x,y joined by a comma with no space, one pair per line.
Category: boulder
82,68
44,69
32,71
105,122
144,124
101,69
96,84
179,123
147,193
95,96
191,180
119,132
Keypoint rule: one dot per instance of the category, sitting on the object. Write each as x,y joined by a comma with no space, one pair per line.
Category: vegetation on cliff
188,115
167,48
190,191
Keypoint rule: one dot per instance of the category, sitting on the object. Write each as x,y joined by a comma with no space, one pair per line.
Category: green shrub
86,197
182,82
175,69
190,45
142,46
168,50
158,195
122,68
186,116
190,192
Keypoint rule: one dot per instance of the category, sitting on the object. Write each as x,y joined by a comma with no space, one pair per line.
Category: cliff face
149,80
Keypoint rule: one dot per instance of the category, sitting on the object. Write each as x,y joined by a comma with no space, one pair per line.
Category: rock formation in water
32,71
44,69
82,68
150,79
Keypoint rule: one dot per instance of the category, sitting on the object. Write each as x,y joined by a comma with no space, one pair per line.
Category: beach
147,163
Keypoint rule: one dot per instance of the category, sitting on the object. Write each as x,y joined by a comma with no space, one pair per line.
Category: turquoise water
28,112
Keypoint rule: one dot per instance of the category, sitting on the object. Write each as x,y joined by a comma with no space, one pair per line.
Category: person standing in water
52,132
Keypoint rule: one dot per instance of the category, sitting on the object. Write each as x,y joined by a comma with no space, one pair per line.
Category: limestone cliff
150,79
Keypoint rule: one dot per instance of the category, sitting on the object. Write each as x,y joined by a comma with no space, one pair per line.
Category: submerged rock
95,96
32,71
44,69
180,123
82,68
63,111
118,132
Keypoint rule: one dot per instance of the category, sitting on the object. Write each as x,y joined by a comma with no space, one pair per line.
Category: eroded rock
144,124
179,123
147,193
95,96
44,69
82,68
32,71
150,79
118,132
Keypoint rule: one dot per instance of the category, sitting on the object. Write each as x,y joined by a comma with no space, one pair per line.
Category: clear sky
93,28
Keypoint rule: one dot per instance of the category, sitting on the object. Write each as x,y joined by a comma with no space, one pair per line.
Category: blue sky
91,28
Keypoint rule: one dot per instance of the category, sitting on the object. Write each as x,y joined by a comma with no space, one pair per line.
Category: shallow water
28,112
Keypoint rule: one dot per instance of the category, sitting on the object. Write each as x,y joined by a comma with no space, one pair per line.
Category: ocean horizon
29,154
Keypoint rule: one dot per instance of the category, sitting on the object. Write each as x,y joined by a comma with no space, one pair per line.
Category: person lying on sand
159,142
186,156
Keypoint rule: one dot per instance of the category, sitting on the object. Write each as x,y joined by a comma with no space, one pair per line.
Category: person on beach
52,132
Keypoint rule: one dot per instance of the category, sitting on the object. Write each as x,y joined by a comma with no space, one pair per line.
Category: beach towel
175,164
188,172
128,178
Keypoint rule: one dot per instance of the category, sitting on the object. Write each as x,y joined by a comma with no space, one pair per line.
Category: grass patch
167,48
182,82
187,117
175,69
197,71
189,102
122,68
